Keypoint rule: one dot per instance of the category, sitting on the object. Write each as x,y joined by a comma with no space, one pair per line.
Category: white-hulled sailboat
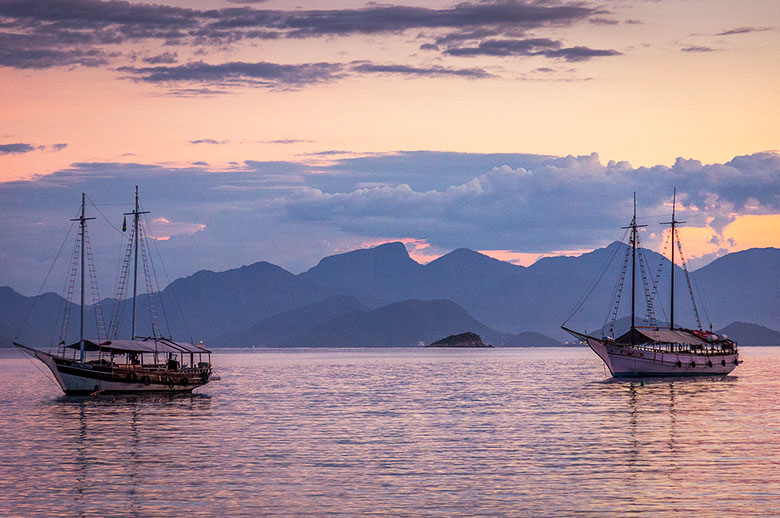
661,351
140,364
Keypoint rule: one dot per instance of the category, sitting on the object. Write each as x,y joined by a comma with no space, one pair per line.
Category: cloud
604,21
580,53
436,71
208,141
20,148
262,74
541,208
742,30
45,51
164,58
292,214
530,47
377,19
698,48
287,141
17,148
55,33
276,76
162,229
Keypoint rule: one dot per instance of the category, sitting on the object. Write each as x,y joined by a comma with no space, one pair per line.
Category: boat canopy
140,346
669,336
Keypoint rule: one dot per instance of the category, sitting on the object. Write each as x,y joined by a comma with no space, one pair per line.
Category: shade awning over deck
669,336
140,346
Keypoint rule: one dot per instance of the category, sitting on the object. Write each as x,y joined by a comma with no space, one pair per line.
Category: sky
288,131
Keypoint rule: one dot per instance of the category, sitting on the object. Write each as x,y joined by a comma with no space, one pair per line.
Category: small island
467,339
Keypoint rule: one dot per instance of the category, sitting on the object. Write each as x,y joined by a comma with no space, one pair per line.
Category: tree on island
467,339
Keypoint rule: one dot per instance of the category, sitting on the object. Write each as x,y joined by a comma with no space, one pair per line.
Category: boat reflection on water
118,441
663,419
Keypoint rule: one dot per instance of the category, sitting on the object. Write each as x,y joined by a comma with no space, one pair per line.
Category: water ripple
402,432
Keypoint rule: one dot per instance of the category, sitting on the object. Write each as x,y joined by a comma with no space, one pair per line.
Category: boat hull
76,378
625,361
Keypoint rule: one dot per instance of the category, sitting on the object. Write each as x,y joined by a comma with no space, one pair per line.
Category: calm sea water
401,432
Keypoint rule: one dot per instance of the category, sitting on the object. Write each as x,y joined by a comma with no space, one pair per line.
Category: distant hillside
743,287
751,334
375,276
401,324
531,339
277,330
250,305
209,305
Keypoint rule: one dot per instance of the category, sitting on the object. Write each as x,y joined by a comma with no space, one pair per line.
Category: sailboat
109,365
653,350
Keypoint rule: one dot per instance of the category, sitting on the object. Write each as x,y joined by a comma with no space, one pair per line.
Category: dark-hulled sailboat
140,364
661,351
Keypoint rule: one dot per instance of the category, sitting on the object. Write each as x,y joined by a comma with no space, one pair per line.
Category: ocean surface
398,432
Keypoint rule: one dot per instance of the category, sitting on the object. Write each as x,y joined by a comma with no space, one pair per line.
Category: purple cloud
17,148
698,48
742,30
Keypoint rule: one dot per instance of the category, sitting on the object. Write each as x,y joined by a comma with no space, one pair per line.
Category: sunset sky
290,130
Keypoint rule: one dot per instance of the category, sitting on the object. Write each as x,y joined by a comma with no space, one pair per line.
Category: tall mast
673,223
136,214
83,223
633,226
633,265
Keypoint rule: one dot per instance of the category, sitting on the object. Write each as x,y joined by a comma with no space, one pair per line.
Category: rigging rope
155,279
594,283
688,279
147,278
657,280
46,278
176,298
100,323
116,318
649,310
617,295
70,284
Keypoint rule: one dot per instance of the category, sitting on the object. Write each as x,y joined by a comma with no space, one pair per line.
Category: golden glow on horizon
529,258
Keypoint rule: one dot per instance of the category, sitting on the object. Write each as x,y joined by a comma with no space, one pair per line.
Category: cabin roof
148,345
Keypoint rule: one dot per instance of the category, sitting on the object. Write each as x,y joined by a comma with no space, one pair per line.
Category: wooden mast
83,223
633,226
136,214
673,223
